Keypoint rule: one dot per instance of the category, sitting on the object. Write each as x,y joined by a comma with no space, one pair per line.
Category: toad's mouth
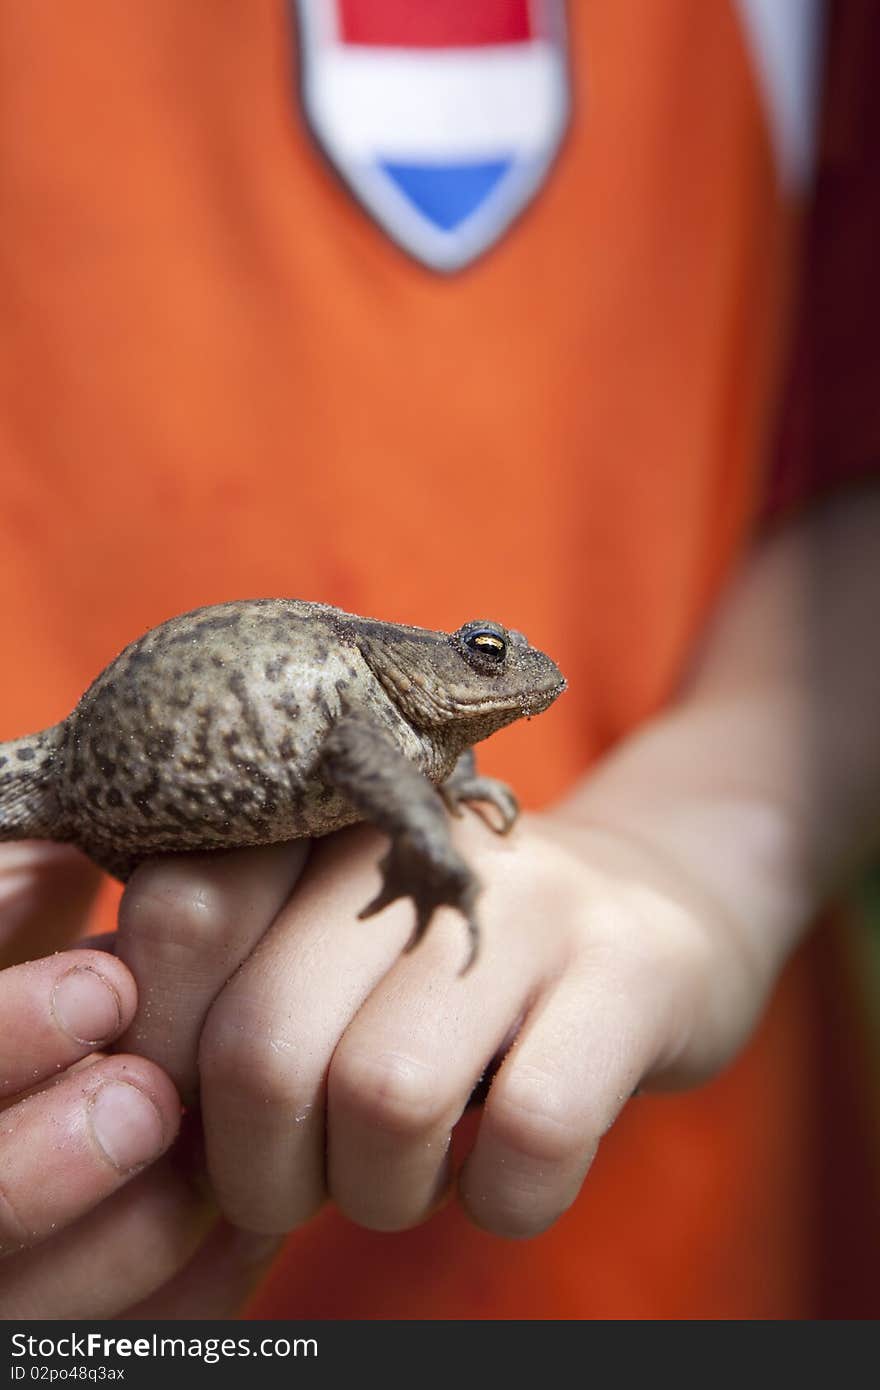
540,700
534,700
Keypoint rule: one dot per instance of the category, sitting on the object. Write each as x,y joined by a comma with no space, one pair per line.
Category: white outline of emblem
324,101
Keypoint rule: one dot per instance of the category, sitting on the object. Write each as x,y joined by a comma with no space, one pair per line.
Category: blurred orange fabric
221,380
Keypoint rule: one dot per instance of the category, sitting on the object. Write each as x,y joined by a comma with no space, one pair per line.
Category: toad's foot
464,785
433,875
360,760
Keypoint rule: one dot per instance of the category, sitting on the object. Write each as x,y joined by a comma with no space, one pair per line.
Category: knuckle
390,1091
533,1119
239,1058
172,904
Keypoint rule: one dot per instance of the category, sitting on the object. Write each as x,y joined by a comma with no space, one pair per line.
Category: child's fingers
270,1036
578,1058
113,1256
217,1280
401,1076
327,1016
186,924
55,1011
65,1149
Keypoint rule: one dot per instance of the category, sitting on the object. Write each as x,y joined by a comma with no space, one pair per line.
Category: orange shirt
222,379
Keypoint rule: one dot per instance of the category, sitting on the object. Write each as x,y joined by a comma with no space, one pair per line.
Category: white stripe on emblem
452,103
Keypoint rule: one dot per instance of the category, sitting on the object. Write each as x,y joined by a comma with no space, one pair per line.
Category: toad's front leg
362,762
465,786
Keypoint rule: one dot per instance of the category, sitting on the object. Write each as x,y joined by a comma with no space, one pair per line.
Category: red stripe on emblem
434,23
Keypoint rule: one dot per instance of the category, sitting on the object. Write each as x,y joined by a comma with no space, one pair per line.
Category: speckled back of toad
206,732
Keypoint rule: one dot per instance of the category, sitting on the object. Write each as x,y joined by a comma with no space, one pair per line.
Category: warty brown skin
264,720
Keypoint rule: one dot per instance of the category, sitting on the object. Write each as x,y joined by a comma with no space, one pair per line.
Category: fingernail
86,1006
126,1125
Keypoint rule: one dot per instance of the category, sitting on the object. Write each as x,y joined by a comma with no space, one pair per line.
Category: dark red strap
830,424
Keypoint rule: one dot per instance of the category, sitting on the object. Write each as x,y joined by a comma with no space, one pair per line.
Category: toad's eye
487,644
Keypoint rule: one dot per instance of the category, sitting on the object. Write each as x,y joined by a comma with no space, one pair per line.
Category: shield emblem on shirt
442,116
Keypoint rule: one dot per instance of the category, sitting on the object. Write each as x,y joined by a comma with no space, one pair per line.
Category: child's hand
604,965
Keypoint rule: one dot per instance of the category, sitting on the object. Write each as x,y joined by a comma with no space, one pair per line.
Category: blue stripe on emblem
447,193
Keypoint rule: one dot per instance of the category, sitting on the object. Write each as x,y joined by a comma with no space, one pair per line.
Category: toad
265,720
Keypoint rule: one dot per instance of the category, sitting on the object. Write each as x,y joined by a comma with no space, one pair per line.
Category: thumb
46,891
218,1280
